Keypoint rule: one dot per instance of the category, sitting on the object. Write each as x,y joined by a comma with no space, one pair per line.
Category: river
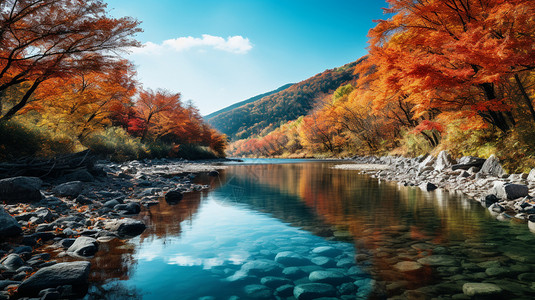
272,229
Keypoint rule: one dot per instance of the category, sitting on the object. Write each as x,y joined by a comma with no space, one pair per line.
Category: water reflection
402,241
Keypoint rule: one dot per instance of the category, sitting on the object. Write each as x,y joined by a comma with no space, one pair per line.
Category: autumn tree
86,101
46,39
161,105
452,55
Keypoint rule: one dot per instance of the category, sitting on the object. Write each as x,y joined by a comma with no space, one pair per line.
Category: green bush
18,140
116,144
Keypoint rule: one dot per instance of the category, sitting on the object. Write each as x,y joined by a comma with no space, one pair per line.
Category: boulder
531,175
476,289
8,225
467,162
290,259
489,200
70,189
67,273
173,196
427,162
427,187
492,167
83,247
20,189
444,161
314,290
126,227
510,191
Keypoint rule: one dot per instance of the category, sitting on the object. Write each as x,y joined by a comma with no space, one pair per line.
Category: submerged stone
313,291
480,289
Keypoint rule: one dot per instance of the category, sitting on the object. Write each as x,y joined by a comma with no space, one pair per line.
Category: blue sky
218,52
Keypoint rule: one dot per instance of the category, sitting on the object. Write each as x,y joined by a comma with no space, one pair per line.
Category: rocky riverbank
507,196
43,221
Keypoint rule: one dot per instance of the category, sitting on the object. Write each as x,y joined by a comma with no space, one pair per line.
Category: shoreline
506,196
72,215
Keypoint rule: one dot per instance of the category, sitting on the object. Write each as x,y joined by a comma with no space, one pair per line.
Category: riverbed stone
20,189
293,272
258,291
67,273
330,277
323,261
274,282
174,196
313,291
9,226
261,267
290,259
408,266
284,290
127,227
83,246
480,289
326,251
12,262
467,162
438,260
427,186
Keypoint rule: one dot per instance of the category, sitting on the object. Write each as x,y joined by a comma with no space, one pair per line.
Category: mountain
241,103
269,112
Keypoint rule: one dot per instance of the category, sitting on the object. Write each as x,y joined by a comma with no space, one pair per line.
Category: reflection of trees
164,220
383,218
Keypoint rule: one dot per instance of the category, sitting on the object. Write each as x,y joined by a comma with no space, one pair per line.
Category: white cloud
233,44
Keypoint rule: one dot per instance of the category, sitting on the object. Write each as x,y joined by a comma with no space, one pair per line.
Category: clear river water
279,229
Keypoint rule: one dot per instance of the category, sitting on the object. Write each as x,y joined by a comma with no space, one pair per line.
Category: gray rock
467,162
330,277
313,291
67,273
261,267
531,175
8,225
127,227
492,167
70,189
497,208
444,161
12,262
480,289
83,246
258,291
291,259
427,162
509,191
326,251
20,189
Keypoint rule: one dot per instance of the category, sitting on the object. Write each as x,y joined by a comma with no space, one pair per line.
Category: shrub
116,144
